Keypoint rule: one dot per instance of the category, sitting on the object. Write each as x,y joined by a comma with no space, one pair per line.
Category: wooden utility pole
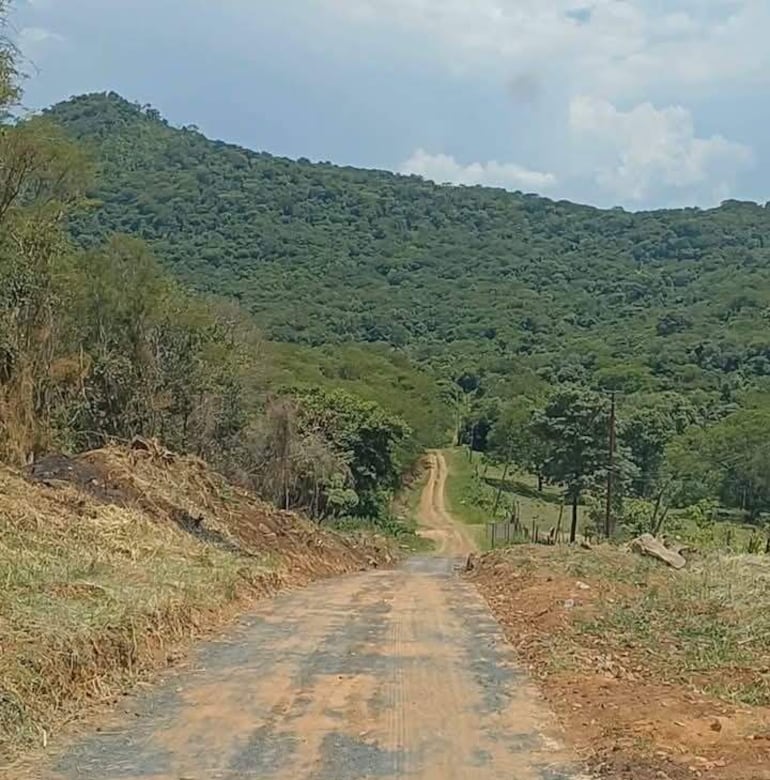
611,469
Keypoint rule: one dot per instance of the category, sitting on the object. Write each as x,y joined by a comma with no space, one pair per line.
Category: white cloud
646,151
605,47
32,38
592,56
444,169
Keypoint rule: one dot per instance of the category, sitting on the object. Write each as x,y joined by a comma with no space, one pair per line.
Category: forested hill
319,254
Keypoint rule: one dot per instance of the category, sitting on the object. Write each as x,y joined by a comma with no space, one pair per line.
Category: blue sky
639,103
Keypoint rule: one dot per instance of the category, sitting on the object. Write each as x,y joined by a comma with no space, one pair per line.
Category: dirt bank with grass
654,673
112,562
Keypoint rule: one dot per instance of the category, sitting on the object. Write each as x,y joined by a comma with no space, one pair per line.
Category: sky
633,103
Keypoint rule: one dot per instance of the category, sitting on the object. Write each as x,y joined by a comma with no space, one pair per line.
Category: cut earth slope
112,561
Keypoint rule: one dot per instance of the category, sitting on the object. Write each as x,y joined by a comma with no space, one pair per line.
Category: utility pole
610,471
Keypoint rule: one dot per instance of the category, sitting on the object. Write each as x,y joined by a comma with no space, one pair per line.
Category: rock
648,545
582,586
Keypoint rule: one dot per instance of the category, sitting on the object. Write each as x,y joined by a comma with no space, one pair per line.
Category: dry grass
100,582
666,670
707,626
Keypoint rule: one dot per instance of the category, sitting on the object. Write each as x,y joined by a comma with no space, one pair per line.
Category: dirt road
451,538
385,674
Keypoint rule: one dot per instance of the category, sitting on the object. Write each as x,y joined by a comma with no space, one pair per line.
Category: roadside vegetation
653,672
101,344
675,469
114,550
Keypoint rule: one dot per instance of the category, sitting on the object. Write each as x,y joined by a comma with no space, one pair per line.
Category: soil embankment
654,673
111,562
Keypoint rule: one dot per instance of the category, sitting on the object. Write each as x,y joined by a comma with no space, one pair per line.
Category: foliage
100,343
574,426
506,286
514,439
729,461
374,372
506,297
365,437
9,87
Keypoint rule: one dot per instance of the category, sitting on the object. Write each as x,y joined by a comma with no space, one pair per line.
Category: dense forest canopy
521,311
321,254
345,320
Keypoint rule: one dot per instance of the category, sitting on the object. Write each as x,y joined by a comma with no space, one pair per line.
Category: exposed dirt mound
112,560
633,657
182,490
57,470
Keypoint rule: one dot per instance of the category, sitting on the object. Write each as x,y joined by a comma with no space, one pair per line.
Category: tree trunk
500,488
573,527
561,517
539,482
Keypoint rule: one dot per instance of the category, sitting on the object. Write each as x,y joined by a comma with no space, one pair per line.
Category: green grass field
472,495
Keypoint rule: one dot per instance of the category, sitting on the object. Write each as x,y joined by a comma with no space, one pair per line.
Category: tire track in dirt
383,674
436,523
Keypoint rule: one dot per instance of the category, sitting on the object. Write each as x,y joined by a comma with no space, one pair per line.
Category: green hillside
322,254
517,309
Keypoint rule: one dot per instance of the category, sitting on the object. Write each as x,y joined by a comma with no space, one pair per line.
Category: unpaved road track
387,674
451,538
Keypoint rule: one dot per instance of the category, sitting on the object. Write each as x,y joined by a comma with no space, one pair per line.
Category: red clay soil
625,721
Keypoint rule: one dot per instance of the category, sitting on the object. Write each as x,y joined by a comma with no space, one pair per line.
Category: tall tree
574,427
513,439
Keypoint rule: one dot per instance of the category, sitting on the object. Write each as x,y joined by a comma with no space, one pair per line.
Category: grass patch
468,498
472,495
707,627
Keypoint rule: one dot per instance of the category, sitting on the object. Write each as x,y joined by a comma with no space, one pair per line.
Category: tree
645,433
42,177
9,87
295,468
574,426
366,437
728,461
513,439
471,281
